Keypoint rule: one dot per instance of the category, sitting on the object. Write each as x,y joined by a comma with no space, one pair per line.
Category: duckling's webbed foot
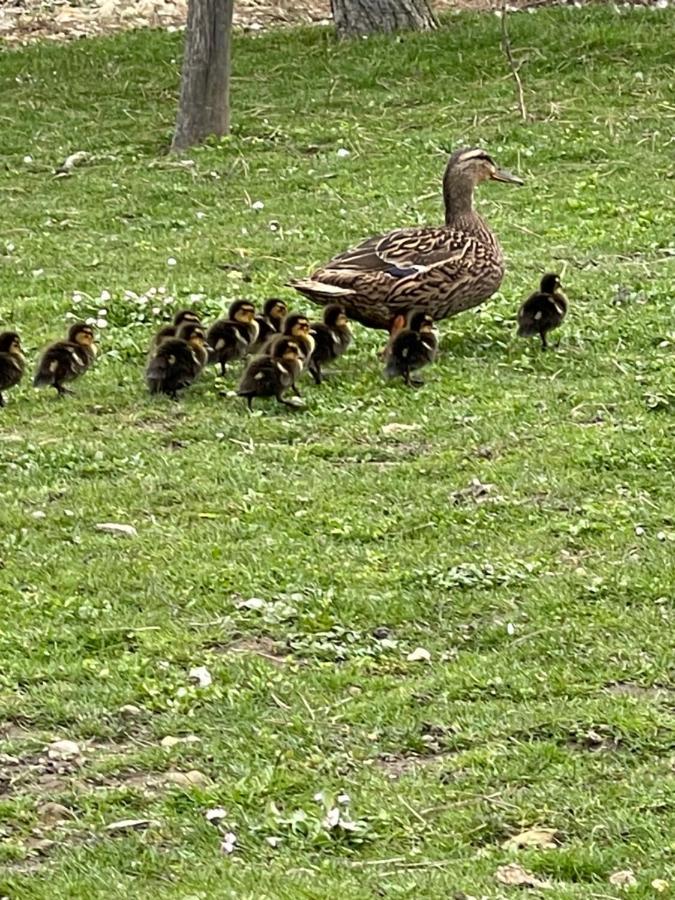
63,391
544,343
315,372
296,392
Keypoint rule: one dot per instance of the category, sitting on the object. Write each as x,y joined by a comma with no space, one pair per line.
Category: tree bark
354,17
204,106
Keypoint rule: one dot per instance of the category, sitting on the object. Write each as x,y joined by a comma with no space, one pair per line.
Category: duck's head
275,310
296,325
10,342
82,334
334,316
421,321
285,349
193,333
550,283
242,311
476,165
185,315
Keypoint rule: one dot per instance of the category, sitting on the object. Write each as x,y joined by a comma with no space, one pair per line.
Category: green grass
533,600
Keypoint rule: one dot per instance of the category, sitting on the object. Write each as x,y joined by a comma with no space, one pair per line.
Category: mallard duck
272,374
442,269
177,361
331,338
12,362
271,320
169,331
67,360
544,310
231,338
297,326
412,348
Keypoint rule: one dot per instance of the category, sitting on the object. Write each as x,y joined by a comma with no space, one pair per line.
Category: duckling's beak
508,177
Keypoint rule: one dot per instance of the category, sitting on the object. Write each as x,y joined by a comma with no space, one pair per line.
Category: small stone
63,750
201,675
116,528
39,514
193,778
343,153
129,711
50,813
130,825
419,654
381,632
172,261
623,878
258,205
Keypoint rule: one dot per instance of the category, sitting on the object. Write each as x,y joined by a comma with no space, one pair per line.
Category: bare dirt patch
395,765
260,645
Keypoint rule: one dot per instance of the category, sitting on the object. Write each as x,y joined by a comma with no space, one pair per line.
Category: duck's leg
2,401
315,372
396,324
544,343
295,390
223,370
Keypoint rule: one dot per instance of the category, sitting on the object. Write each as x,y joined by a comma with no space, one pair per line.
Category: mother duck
441,269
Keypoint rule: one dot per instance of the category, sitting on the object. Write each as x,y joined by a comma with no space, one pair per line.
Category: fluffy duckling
67,360
177,361
297,326
231,338
273,373
331,338
413,347
270,322
12,362
544,310
170,331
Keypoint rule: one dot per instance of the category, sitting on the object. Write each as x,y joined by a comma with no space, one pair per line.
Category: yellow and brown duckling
232,338
12,362
331,338
297,326
270,321
177,361
67,360
544,310
170,331
413,347
273,373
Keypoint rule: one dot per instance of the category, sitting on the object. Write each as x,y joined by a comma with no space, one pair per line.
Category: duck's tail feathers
317,290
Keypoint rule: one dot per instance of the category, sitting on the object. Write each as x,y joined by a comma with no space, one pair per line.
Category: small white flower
130,295
200,215
215,815
103,312
332,819
77,298
161,289
228,843
273,841
90,321
274,225
258,204
344,799
151,291
101,323
38,272
196,298
39,514
10,247
318,797
343,153
28,159
105,296
156,310
171,261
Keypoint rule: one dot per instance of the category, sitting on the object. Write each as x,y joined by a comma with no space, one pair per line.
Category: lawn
521,529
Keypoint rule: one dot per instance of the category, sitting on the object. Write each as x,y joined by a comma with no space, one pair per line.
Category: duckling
231,338
413,347
331,338
271,320
177,361
271,374
544,310
66,360
169,331
12,362
296,326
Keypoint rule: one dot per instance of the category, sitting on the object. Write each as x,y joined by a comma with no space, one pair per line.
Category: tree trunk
353,17
204,107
